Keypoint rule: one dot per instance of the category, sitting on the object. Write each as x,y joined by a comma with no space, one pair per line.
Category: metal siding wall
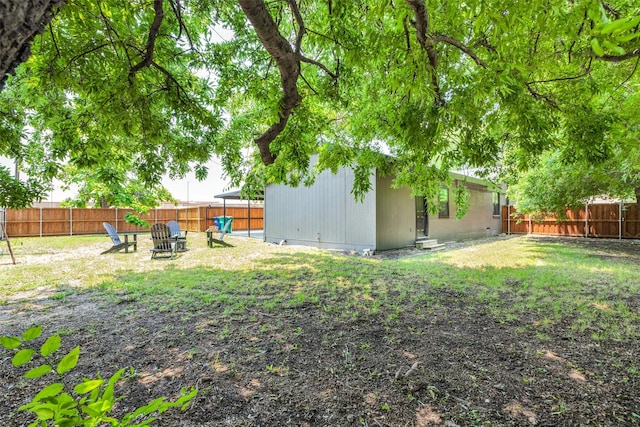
360,216
327,207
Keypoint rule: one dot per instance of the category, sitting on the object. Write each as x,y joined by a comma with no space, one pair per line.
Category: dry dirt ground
299,367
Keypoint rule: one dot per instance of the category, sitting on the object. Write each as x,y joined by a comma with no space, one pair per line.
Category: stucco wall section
477,223
396,223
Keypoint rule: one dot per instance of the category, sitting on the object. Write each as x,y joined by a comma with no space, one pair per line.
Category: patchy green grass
519,280
407,336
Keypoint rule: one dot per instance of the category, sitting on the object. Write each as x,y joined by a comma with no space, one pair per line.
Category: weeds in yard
512,280
278,301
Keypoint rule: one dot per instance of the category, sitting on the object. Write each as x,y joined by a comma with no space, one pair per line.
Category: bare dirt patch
456,366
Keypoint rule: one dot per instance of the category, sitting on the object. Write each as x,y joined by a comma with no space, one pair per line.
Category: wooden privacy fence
617,220
33,222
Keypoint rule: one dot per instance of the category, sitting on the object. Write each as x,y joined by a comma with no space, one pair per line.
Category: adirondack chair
163,243
176,234
118,244
211,240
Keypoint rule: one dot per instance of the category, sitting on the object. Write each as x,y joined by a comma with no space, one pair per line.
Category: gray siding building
326,215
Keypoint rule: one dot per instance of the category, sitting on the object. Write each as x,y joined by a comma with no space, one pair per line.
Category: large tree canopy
412,87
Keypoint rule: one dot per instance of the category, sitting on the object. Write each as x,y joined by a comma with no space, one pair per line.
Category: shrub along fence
33,222
613,220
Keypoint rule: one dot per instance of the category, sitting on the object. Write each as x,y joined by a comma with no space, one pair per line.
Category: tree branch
171,78
55,44
611,10
633,71
542,97
288,63
147,59
406,33
308,84
619,58
80,55
301,27
319,65
466,49
110,30
177,11
422,24
586,72
324,36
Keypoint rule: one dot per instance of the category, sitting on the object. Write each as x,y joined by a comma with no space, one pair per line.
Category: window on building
496,203
443,201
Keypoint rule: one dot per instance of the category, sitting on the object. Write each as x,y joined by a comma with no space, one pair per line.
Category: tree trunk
288,62
20,22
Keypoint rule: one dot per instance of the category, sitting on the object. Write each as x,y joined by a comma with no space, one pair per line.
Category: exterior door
422,218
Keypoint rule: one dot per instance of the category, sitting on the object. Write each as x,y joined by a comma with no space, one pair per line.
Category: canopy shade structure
237,195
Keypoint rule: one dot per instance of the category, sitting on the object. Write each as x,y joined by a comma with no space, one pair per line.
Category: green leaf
49,391
629,37
32,333
94,409
595,45
620,25
613,47
10,342
44,413
87,386
23,357
38,372
108,391
50,345
148,408
69,361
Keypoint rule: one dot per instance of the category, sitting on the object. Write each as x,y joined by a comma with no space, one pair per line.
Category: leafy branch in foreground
88,403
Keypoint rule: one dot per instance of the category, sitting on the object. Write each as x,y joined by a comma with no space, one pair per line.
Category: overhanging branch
287,58
301,27
620,58
464,48
147,59
288,63
319,65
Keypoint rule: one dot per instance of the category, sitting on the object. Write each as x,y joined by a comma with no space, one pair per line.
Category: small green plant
87,403
135,220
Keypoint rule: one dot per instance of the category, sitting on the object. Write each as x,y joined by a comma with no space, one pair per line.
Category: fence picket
594,220
33,222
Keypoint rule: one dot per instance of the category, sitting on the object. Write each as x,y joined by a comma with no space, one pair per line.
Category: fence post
586,219
116,220
70,221
620,220
40,221
530,226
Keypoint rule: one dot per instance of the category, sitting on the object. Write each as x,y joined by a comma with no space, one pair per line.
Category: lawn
504,331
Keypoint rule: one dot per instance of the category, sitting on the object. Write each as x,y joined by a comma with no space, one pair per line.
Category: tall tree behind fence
75,221
614,220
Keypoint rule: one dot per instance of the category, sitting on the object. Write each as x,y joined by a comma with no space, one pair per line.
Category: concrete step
426,241
429,245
